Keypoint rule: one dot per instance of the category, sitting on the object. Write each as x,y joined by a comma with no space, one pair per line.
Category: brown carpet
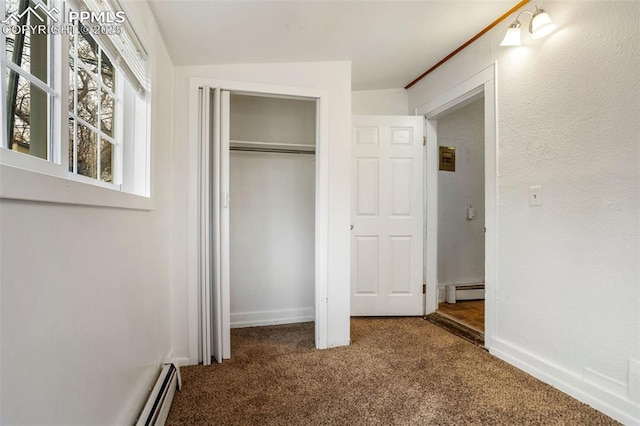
398,371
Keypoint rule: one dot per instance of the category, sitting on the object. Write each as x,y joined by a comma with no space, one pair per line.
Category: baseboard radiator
457,292
156,409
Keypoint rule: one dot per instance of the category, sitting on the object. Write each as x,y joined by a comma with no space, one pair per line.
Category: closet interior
272,209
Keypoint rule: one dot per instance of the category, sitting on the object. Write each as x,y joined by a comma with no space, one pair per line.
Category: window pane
87,152
87,92
28,106
71,144
28,49
107,72
88,52
106,161
106,114
72,86
72,45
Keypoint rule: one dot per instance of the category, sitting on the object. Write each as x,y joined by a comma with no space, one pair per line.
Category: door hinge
424,288
424,141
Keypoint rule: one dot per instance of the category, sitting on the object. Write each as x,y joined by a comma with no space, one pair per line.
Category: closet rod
274,150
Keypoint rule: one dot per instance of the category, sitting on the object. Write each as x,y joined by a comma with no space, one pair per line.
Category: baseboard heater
457,292
156,409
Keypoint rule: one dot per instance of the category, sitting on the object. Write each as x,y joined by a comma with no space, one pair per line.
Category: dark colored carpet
398,371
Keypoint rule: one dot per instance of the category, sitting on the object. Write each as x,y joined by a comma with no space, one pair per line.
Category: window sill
28,185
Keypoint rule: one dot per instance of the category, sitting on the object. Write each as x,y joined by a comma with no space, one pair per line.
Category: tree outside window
92,103
27,104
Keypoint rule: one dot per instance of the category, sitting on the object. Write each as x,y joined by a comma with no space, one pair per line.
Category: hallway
467,312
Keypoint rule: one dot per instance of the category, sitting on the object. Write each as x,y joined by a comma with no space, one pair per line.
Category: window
97,132
92,104
27,82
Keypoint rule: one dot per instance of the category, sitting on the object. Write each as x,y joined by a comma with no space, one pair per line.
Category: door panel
400,265
387,216
401,178
367,187
366,278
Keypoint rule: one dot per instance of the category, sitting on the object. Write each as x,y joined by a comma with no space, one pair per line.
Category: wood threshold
461,330
468,42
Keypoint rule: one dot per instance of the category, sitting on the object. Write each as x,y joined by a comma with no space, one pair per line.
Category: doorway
479,92
461,285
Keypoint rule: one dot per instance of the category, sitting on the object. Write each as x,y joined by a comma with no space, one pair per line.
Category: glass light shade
541,24
512,37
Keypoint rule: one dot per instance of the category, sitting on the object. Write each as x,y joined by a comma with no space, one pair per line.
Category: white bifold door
213,247
387,216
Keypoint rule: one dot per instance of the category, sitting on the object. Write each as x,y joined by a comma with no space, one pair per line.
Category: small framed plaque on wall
448,158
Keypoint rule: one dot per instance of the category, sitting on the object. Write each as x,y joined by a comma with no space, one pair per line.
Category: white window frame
7,156
25,177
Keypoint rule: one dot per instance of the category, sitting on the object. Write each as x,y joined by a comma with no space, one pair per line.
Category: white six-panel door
387,216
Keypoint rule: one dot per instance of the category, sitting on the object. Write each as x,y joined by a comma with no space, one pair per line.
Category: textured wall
461,241
568,119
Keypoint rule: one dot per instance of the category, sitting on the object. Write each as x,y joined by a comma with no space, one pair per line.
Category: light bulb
541,24
512,36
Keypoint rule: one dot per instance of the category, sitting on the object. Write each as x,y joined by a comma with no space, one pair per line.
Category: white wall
380,102
335,78
461,241
85,307
567,292
272,238
264,119
272,216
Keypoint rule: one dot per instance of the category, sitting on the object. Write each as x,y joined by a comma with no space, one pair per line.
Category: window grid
30,77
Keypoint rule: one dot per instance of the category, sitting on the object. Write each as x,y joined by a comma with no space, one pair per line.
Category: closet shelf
255,146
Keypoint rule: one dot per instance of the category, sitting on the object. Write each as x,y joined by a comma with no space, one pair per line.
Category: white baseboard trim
181,361
283,316
616,406
605,383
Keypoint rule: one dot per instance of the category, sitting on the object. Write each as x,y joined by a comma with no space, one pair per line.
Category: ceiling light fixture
540,26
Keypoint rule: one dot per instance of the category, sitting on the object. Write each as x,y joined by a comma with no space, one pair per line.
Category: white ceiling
389,42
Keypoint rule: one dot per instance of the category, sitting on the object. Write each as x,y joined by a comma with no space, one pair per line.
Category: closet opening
272,205
259,221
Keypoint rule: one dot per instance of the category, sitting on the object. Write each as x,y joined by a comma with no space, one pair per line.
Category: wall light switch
535,195
471,212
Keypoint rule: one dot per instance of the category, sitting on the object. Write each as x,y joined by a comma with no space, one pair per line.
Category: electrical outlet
535,195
